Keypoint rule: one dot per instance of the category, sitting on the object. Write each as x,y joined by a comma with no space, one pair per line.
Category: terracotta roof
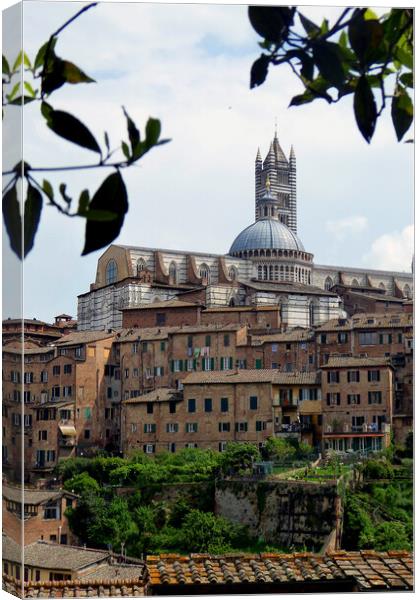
114,571
146,334
294,335
83,337
42,350
371,570
380,297
247,308
353,361
368,321
14,494
157,395
174,303
273,376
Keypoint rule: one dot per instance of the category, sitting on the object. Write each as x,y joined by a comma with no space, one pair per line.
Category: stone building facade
267,264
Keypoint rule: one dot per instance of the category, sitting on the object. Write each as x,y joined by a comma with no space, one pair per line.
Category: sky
188,65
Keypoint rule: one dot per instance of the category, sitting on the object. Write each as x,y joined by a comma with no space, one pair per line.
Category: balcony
288,403
365,429
292,429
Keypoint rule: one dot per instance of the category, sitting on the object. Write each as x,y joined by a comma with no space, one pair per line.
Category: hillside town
228,390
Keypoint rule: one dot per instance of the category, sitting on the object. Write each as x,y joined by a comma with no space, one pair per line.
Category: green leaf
32,216
133,132
370,15
18,61
83,202
365,38
153,128
62,189
401,112
69,128
324,27
53,77
310,27
302,99
72,73
259,70
365,108
14,91
26,61
48,189
12,220
126,150
5,66
407,79
326,57
106,138
29,89
270,22
112,197
343,40
404,57
22,100
39,59
99,215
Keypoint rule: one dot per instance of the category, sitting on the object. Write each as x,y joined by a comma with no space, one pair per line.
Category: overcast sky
189,66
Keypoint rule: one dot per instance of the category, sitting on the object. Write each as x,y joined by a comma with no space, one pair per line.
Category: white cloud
342,228
392,250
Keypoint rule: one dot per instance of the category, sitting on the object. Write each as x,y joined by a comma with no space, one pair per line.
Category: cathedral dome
266,234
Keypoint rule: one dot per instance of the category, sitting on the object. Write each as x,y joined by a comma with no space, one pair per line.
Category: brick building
357,403
218,407
43,513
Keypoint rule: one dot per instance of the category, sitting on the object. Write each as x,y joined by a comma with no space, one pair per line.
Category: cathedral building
266,265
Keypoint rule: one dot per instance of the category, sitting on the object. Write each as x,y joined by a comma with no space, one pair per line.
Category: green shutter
230,362
203,364
195,364
221,363
172,366
212,364
258,363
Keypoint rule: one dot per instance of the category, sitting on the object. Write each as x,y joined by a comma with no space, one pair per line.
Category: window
50,455
149,448
375,397
87,434
333,376
67,391
353,398
357,423
63,539
253,402
162,346
226,340
43,435
208,364
109,392
176,366
26,397
241,364
333,399
172,407
224,427
224,404
323,338
385,338
160,318
208,341
241,427
87,413
288,367
353,376
15,376
342,338
191,405
133,427
111,272
56,370
367,338
28,377
78,352
191,427
158,371
222,446
51,511
208,405
260,425
150,407
150,428
44,376
172,428
258,363
226,363
205,273
191,364
67,369
55,392
172,273
16,395
374,375
65,414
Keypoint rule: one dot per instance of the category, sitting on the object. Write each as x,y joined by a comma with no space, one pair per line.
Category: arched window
205,273
276,272
270,271
281,273
141,266
172,273
407,291
232,302
233,273
265,211
260,271
111,273
355,283
265,271
328,283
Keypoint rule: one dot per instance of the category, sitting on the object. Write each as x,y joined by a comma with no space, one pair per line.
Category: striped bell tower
280,175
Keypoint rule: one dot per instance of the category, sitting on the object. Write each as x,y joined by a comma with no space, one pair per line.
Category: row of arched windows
275,253
283,273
